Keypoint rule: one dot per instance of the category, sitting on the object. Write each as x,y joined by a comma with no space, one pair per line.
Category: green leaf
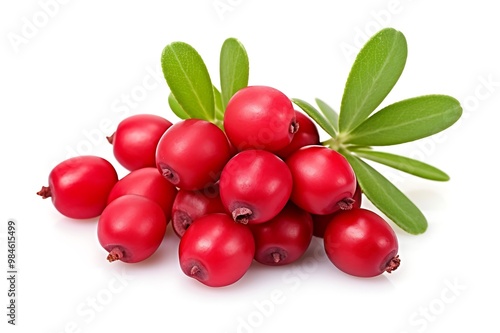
388,198
188,79
404,164
330,115
407,120
374,73
219,109
234,69
316,116
176,107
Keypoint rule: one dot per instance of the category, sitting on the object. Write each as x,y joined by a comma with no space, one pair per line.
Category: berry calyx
192,153
114,254
346,204
393,264
276,257
306,133
361,243
323,180
131,228
242,215
216,251
283,239
44,192
255,186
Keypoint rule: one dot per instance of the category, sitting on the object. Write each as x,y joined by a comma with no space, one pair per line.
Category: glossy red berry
149,183
255,185
190,205
79,186
135,140
216,251
192,153
260,117
283,239
306,135
323,180
320,222
361,243
131,228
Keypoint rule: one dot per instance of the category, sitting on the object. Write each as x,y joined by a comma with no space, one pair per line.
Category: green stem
336,143
327,143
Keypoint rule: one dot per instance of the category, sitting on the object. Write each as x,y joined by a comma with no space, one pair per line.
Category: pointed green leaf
316,116
176,107
188,79
330,115
219,109
404,164
374,73
407,120
234,69
388,198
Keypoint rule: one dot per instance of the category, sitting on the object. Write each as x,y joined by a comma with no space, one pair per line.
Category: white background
64,82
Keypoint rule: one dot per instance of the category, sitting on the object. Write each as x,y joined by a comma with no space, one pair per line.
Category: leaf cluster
353,131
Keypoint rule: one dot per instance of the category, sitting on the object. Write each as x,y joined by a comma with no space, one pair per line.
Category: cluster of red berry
256,188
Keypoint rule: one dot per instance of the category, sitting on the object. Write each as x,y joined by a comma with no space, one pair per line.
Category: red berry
79,186
306,135
131,228
321,221
135,139
190,205
216,251
192,153
361,243
149,183
323,180
260,117
255,185
285,238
